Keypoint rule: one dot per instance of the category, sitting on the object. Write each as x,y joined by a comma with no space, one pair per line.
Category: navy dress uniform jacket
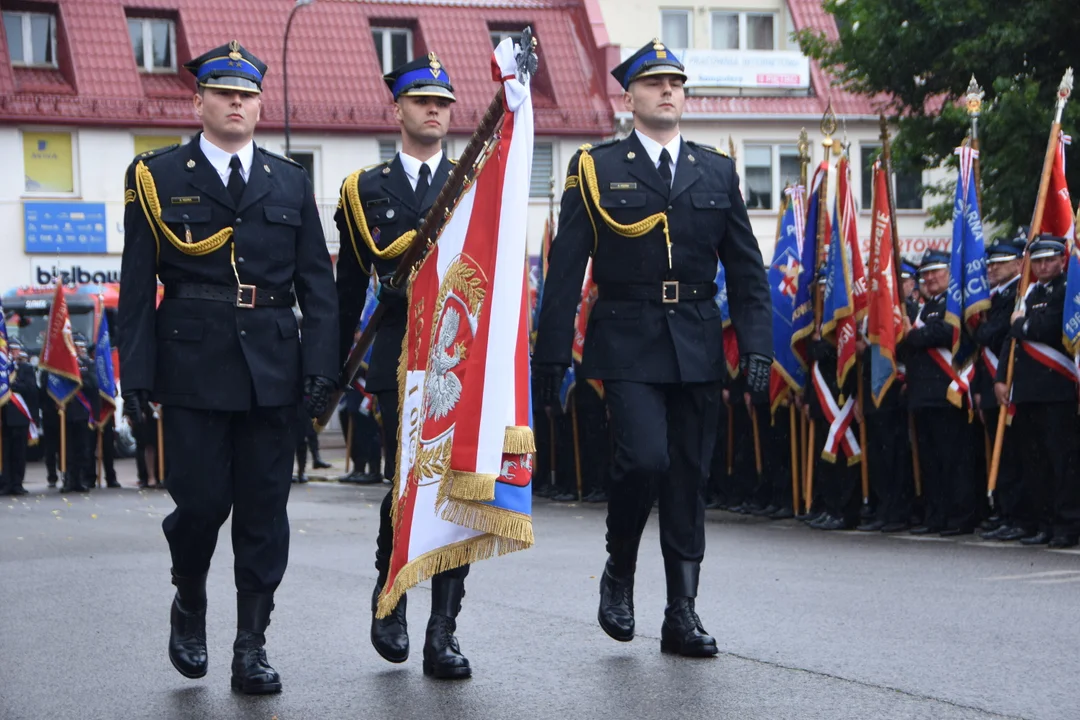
1034,382
646,340
380,202
990,334
927,382
24,383
213,355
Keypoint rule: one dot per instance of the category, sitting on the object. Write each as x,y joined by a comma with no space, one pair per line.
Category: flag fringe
491,520
519,440
441,560
466,485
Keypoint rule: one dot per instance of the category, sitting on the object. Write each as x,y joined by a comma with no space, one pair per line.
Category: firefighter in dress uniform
233,233
655,212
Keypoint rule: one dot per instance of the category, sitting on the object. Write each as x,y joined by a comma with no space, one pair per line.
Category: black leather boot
616,613
251,673
682,633
316,459
390,635
442,654
187,626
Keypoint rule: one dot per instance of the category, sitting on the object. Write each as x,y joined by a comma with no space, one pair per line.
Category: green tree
917,56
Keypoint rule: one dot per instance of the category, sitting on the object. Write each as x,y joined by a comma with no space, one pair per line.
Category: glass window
153,41
305,158
47,160
760,33
146,143
387,150
31,38
393,46
497,36
135,32
542,167
790,167
759,182
675,28
908,185
161,32
725,31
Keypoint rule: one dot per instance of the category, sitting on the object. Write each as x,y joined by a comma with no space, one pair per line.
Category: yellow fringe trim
519,440
487,519
144,182
465,485
350,196
440,560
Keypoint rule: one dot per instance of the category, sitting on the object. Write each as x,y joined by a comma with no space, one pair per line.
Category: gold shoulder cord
350,193
587,179
148,198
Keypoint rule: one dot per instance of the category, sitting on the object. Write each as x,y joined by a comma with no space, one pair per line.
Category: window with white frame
393,46
675,28
907,185
497,36
31,38
154,42
769,169
744,30
542,168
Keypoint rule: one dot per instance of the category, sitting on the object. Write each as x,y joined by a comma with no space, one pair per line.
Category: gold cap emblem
234,50
434,64
658,47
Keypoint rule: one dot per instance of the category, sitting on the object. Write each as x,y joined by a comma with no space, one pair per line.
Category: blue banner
1070,323
784,273
721,294
6,363
568,382
969,291
62,389
65,227
838,303
103,367
802,319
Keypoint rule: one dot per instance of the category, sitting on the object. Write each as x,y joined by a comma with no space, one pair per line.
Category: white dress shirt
412,167
220,159
654,148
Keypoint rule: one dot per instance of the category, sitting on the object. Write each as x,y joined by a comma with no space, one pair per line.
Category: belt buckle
670,290
241,297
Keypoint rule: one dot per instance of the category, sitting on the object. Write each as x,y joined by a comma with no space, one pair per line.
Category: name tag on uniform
623,186
376,203
186,200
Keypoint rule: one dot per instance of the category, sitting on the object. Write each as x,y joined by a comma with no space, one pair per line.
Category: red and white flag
1058,217
462,493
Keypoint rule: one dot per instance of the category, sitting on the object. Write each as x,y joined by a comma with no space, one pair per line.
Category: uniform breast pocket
624,207
189,219
382,214
281,225
710,201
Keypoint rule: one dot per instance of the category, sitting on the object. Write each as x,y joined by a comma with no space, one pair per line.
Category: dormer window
31,38
154,42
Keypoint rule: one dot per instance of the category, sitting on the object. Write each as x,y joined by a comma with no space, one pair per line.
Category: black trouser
108,450
837,489
145,438
664,439
888,459
774,435
50,441
80,440
948,488
388,409
230,461
565,467
743,480
1009,492
542,424
366,447
595,438
1047,440
14,470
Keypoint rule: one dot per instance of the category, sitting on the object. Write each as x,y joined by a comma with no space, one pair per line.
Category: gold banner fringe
487,519
464,485
432,563
519,440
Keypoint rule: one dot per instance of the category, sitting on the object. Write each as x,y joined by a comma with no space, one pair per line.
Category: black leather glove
389,293
757,377
137,406
317,391
548,379
1018,329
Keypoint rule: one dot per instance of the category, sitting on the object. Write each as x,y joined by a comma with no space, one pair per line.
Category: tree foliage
917,56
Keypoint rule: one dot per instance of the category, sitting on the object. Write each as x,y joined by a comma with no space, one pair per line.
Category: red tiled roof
334,76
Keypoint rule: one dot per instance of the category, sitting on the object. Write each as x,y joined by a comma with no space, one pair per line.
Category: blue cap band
422,74
647,57
227,64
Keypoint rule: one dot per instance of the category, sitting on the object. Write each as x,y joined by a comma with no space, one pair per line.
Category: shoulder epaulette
156,151
606,143
363,170
281,157
710,148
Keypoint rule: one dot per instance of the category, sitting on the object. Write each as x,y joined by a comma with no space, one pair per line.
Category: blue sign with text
64,227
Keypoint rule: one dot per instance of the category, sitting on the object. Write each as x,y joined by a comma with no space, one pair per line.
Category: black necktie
424,182
236,179
665,166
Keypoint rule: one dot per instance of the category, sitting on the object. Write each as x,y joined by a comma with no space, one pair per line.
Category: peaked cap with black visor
229,67
653,59
423,77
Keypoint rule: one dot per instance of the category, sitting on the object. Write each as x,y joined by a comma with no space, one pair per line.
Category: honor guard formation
672,367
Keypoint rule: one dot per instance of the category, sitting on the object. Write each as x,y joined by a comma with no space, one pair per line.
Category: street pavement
810,624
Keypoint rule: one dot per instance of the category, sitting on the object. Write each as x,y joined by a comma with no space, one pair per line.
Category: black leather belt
668,291
244,296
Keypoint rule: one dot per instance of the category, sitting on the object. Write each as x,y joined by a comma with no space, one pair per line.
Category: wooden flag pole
160,447
795,458
808,491
577,443
1064,90
348,441
99,458
974,99
917,469
62,412
864,461
758,465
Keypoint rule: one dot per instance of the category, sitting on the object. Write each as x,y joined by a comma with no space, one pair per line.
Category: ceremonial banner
784,272
885,326
845,289
1058,215
730,341
6,363
462,493
802,319
968,293
589,293
58,357
103,367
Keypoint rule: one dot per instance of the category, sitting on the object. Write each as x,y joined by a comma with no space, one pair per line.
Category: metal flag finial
974,97
526,59
1063,93
828,125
